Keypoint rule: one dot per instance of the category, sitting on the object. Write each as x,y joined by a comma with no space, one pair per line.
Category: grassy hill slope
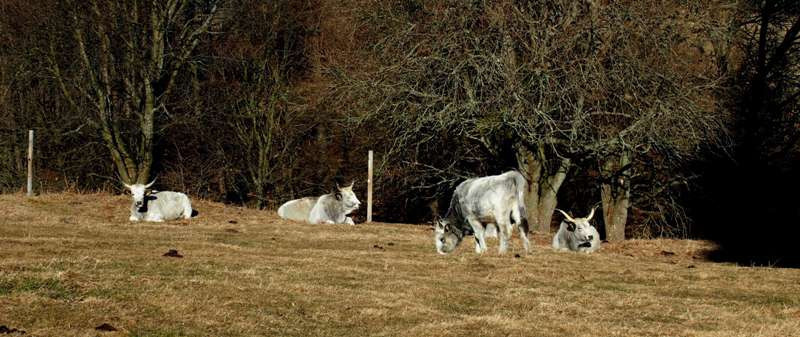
69,263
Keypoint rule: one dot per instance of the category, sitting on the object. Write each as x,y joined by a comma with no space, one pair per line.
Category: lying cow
331,208
158,206
478,202
298,209
576,234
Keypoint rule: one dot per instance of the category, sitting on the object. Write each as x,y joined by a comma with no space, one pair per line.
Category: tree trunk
548,195
531,169
615,194
146,152
541,196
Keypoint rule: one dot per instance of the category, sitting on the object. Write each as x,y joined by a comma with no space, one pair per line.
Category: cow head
579,227
446,236
138,191
347,197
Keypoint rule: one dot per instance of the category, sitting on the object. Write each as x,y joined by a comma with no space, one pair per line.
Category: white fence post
369,188
30,163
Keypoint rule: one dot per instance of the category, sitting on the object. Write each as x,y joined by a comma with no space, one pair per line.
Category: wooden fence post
369,188
30,163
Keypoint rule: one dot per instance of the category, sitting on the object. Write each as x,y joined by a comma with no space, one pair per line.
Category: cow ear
440,225
338,195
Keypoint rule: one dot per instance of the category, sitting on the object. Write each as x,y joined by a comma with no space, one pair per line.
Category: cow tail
522,186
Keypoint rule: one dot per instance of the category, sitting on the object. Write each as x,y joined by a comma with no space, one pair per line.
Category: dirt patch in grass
71,263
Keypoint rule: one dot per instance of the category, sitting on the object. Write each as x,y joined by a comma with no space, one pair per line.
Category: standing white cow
331,208
477,202
576,234
158,206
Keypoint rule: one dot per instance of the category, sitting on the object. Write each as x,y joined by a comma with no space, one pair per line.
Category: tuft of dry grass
70,263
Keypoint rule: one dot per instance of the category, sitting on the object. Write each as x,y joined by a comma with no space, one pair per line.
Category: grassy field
71,263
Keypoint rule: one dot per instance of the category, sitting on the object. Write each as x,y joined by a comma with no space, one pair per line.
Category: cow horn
151,183
127,186
566,215
352,183
591,214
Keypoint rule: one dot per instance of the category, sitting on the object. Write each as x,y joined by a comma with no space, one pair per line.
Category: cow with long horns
157,206
576,234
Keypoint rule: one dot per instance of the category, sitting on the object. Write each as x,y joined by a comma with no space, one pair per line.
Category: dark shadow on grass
751,210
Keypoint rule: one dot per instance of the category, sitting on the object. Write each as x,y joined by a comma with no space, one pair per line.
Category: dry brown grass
69,263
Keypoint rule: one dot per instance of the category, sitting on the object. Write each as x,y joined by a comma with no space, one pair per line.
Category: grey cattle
158,206
478,202
331,208
576,234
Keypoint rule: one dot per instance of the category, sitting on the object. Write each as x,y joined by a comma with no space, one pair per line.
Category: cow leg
504,231
349,221
154,218
478,230
133,218
491,231
523,234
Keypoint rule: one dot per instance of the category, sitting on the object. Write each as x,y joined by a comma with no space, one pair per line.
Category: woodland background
676,118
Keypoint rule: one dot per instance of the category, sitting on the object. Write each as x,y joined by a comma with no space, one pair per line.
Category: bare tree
641,103
129,54
265,52
535,86
771,72
749,187
475,81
